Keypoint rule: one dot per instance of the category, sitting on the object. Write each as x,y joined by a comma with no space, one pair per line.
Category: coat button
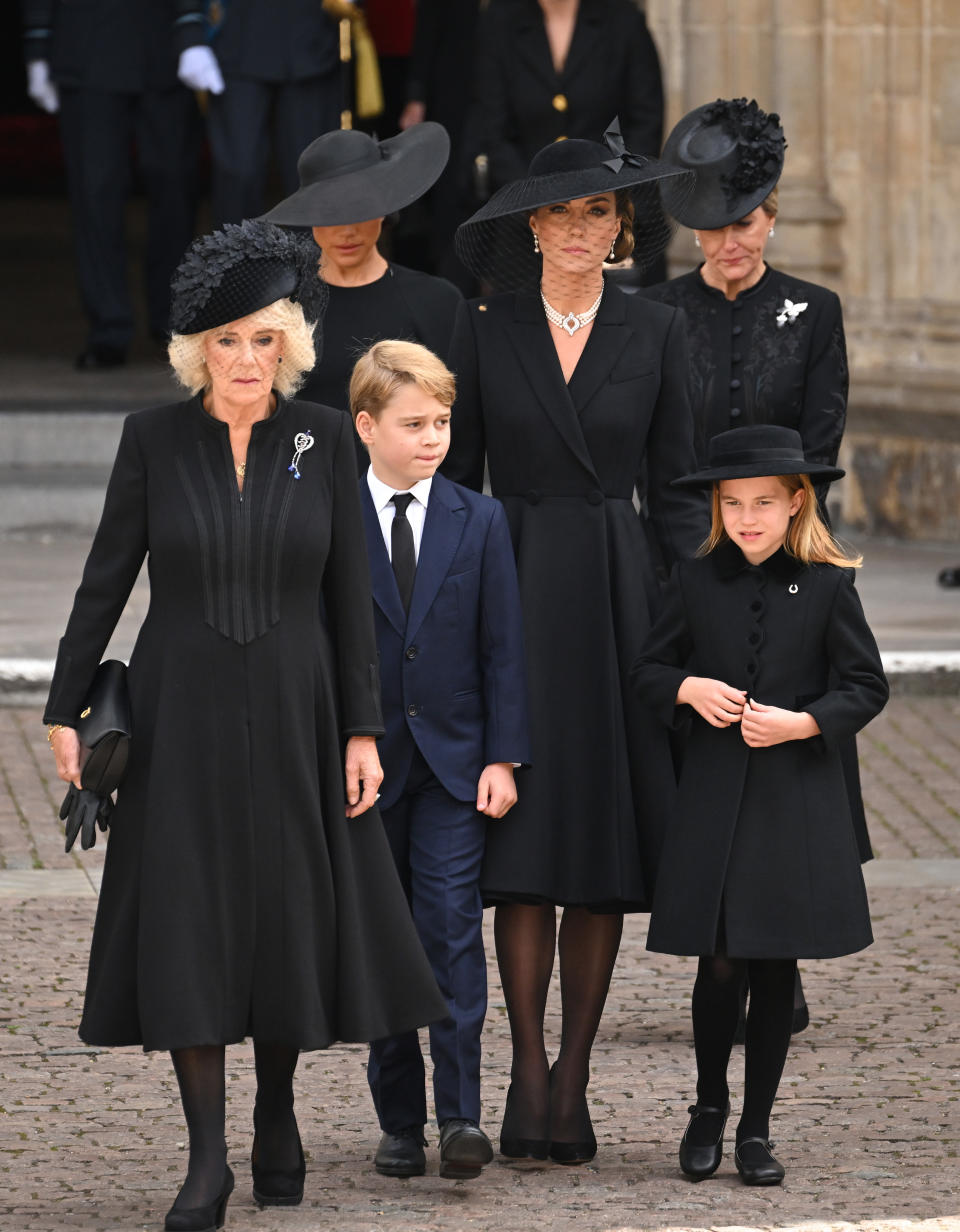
737,331
533,497
751,668
560,102
735,383
737,306
413,711
735,412
753,639
594,497
756,605
736,357
411,652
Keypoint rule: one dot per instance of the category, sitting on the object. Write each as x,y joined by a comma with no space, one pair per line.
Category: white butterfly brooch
789,313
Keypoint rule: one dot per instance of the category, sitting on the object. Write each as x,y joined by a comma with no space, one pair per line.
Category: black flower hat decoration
235,271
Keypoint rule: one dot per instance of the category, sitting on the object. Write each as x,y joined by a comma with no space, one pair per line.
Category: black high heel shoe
580,1152
513,1146
700,1160
276,1187
201,1218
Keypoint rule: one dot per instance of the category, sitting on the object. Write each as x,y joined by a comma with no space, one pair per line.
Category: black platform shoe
273,1186
201,1218
511,1144
756,1163
580,1152
702,1160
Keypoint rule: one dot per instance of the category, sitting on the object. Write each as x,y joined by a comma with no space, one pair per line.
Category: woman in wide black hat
574,394
762,642
248,888
349,182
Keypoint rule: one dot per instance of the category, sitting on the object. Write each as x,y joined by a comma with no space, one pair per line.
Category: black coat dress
565,460
237,899
747,369
761,850
523,103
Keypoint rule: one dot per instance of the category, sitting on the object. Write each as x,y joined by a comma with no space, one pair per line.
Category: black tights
527,941
717,996
200,1074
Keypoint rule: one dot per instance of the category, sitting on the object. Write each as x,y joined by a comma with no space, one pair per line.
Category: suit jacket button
413,711
533,497
411,652
595,497
560,102
735,412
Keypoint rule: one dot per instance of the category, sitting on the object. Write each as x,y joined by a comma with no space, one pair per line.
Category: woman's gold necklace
241,469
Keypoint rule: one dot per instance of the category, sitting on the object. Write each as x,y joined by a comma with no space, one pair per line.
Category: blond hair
389,365
808,536
771,202
185,351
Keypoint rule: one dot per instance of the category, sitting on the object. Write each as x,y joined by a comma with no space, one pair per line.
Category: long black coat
761,849
237,898
523,103
565,460
747,369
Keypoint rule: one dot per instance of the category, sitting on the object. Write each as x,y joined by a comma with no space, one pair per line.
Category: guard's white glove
40,88
198,69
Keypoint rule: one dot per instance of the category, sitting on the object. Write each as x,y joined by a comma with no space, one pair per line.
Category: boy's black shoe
401,1154
464,1149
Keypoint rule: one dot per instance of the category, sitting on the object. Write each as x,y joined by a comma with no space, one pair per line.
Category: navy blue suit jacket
452,672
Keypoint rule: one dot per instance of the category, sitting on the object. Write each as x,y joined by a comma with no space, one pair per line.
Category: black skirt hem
613,906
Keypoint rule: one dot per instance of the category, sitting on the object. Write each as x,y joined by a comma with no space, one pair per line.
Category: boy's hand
720,704
496,791
362,765
763,726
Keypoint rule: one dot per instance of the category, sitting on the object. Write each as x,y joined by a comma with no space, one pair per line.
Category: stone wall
869,94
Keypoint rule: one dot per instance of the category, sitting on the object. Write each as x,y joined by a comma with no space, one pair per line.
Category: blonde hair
770,203
185,351
808,536
389,365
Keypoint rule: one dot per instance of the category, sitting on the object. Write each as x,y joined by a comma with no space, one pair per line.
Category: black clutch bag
104,729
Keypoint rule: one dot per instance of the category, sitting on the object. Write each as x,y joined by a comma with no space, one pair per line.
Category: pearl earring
696,240
770,233
613,250
536,242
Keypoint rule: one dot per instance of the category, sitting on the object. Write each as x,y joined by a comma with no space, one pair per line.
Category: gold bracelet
51,728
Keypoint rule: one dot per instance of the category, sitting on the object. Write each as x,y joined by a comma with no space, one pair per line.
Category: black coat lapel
609,336
382,579
531,340
442,531
586,32
533,49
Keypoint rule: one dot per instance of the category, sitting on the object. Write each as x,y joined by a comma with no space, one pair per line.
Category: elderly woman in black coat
248,888
575,396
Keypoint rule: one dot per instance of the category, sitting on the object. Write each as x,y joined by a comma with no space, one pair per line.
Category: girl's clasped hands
761,726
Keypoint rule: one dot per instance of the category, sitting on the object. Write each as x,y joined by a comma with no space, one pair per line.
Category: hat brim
755,470
410,163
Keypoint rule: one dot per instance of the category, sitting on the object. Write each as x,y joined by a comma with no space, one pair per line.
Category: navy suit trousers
437,842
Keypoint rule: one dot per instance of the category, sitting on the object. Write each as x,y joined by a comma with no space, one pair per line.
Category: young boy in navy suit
449,632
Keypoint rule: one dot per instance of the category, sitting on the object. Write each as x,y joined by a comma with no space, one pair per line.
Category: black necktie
402,555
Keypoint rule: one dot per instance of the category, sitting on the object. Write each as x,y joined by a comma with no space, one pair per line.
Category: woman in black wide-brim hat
248,888
763,645
348,183
575,396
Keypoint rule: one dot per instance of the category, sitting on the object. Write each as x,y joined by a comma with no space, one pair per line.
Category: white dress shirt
383,496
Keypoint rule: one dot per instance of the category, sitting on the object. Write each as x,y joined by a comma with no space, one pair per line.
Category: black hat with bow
496,242
736,151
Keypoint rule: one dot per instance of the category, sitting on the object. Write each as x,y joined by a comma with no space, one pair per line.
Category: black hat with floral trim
736,151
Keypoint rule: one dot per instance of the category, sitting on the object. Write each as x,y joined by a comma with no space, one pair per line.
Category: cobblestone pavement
868,1122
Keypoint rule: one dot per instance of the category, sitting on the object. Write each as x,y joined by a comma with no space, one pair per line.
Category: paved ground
868,1122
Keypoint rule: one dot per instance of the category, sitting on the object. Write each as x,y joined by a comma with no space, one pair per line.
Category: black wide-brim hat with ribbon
496,243
736,151
347,176
234,272
754,451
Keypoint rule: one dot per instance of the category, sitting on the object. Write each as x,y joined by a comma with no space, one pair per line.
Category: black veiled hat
760,449
496,242
232,272
736,151
347,176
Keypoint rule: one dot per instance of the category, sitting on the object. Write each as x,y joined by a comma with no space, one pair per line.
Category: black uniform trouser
97,127
238,125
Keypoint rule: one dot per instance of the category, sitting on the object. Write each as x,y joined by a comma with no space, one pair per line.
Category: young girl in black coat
764,638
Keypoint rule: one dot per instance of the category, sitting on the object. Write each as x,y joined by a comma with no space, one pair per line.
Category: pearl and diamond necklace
573,320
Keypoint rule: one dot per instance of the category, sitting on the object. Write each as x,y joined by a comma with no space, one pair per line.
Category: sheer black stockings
200,1076
278,1142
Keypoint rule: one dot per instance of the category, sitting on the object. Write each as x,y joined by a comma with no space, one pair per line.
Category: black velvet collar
781,566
